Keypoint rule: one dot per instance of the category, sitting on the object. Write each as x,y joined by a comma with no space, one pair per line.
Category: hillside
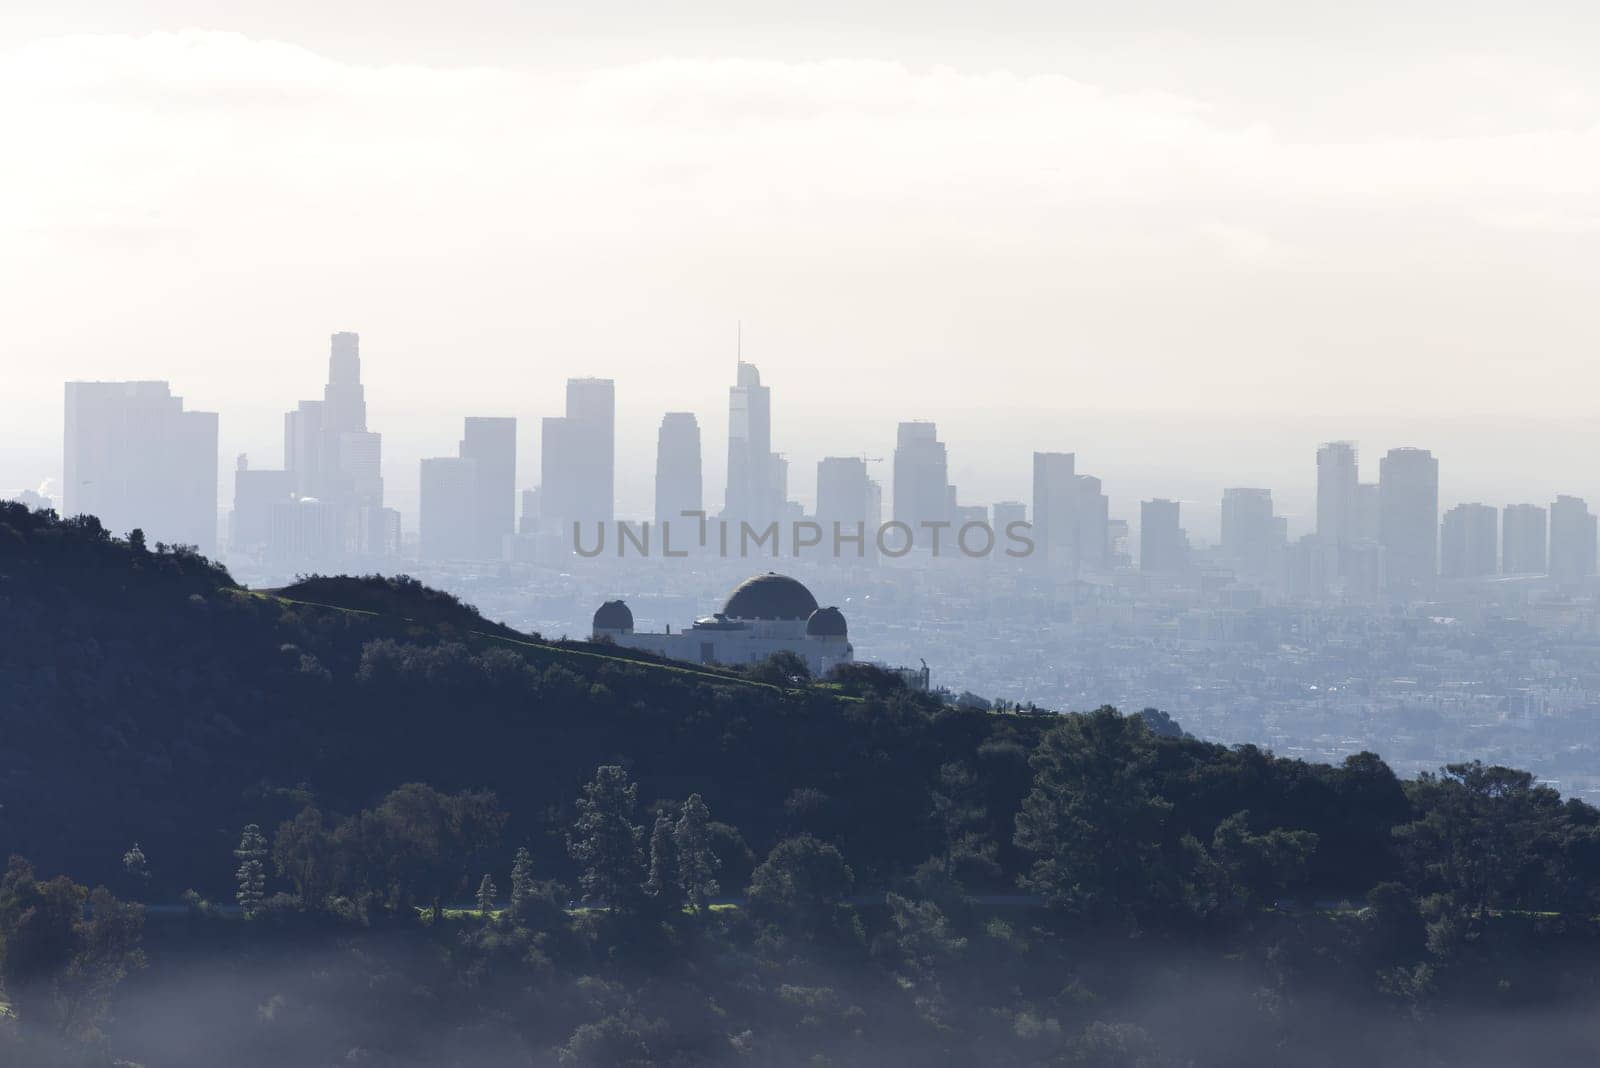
1070,889
149,698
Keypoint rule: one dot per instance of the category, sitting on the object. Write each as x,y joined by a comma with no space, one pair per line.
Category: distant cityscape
1389,626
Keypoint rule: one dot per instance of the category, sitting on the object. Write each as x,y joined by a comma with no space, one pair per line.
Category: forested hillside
347,763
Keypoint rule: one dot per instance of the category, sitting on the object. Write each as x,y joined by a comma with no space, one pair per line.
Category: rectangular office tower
1468,542
1572,540
1337,504
134,458
491,443
1523,540
1163,546
678,473
1408,519
1055,512
447,527
1250,533
577,466
921,479
847,496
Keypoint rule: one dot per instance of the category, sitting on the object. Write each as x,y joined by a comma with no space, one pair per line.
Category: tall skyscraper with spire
755,491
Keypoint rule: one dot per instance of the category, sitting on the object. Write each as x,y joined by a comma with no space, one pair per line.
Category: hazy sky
1164,240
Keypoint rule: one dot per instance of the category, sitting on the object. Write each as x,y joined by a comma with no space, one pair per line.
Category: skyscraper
678,472
255,494
1092,519
491,443
847,496
1055,510
1336,492
754,492
1408,507
1572,540
447,526
1249,530
578,456
134,458
330,455
921,479
1468,542
1163,547
1523,540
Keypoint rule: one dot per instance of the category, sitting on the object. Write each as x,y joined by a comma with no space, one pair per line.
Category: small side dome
826,623
614,615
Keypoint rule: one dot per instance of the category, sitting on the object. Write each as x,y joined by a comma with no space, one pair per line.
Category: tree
697,863
522,887
136,541
606,841
487,892
1483,834
664,884
423,843
65,950
1245,871
782,668
136,865
800,883
1092,820
303,852
252,872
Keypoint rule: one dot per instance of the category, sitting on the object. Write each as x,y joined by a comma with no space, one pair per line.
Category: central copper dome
770,596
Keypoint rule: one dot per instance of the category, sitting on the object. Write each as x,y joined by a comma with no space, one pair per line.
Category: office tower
1163,546
1522,540
1369,512
1092,513
331,456
577,456
1572,540
921,479
1055,511
1250,532
134,458
344,399
1468,542
678,471
1003,513
305,532
448,527
255,493
491,443
754,473
1336,492
1408,518
845,496
303,448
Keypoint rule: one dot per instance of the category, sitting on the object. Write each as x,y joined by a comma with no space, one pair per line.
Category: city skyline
326,502
1145,218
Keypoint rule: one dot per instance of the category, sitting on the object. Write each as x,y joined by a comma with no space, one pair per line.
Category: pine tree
663,884
252,873
487,892
521,879
697,864
606,841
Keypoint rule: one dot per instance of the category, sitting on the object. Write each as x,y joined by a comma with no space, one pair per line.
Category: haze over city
1188,250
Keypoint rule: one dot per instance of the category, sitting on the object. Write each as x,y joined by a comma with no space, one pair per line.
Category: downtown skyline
331,462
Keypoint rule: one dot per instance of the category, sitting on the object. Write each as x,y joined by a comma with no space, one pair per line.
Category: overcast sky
1187,247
